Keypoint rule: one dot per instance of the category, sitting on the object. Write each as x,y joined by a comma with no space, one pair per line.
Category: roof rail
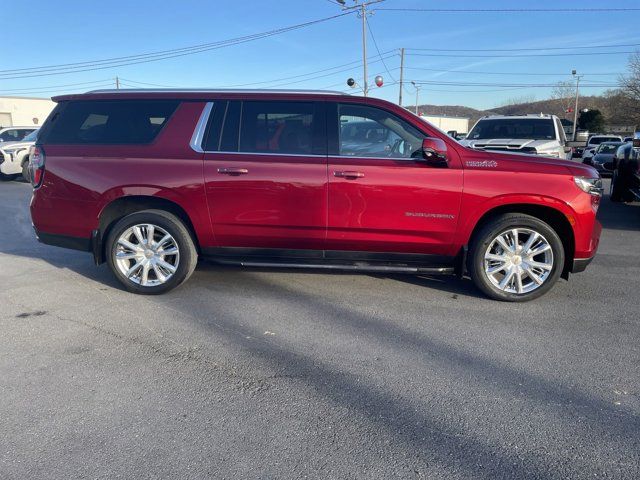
214,90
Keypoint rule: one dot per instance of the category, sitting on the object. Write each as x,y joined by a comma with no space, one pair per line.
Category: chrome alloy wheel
518,260
147,255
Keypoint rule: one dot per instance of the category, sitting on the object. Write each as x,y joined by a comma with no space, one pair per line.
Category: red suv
148,181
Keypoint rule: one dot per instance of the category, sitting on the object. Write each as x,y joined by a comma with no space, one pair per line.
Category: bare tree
521,100
564,93
631,82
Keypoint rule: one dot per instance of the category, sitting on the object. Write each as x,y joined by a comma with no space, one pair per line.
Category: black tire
25,172
6,178
171,224
485,236
616,191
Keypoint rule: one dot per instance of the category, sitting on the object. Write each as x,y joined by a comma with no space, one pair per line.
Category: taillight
36,165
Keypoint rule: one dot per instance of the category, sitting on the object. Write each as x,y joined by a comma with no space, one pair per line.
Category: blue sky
74,31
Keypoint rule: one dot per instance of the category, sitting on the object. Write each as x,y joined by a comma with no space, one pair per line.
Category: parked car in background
595,141
530,134
625,181
14,158
14,134
150,180
603,156
628,139
578,145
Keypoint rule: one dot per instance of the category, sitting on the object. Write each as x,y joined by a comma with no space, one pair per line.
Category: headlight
592,186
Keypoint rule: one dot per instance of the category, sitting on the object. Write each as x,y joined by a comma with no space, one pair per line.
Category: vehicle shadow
618,216
419,428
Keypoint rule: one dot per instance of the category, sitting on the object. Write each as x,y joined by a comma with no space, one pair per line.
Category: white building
24,111
446,124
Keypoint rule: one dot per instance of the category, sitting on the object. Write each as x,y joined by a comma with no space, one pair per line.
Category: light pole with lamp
417,87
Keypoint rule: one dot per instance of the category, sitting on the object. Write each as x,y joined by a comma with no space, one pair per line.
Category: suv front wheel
151,252
515,258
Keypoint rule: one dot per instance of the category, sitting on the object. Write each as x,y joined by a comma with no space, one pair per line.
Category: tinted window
608,148
520,128
277,127
12,135
109,122
31,137
372,132
599,140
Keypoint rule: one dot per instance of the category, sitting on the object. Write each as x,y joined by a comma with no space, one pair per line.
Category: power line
50,87
508,10
378,50
503,73
486,84
524,49
297,78
518,55
150,57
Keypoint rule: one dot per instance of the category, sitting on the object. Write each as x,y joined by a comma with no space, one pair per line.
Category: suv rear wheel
151,252
515,258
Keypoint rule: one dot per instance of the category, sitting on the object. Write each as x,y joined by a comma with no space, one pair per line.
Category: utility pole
362,13
401,75
417,87
575,109
117,83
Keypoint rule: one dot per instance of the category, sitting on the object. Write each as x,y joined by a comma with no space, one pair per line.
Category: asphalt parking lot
298,374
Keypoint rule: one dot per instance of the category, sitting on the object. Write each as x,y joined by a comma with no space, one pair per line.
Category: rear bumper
64,241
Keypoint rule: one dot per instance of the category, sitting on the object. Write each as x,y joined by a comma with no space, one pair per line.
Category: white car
537,134
14,157
595,141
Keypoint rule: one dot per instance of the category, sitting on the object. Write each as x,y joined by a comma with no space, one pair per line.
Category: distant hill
550,106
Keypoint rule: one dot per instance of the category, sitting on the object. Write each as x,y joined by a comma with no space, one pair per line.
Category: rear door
266,175
381,199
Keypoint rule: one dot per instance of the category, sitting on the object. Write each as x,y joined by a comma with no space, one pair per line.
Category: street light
417,87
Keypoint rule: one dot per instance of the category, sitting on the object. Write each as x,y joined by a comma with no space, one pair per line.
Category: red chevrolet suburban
150,180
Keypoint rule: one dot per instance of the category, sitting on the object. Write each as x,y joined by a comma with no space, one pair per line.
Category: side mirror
434,151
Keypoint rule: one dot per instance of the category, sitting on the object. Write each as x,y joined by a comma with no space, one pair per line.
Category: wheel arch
555,218
123,206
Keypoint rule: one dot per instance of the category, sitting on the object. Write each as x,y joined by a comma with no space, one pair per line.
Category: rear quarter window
108,122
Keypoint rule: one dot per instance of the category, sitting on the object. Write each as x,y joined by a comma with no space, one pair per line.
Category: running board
357,268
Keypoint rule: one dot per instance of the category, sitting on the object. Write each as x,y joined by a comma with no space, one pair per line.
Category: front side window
371,132
109,122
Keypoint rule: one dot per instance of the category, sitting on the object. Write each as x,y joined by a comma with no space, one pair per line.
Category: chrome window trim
315,155
201,126
267,153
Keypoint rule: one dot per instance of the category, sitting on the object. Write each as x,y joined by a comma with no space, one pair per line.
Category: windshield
599,140
608,148
520,128
31,137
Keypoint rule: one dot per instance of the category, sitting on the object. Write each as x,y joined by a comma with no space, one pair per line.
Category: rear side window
272,127
109,122
277,127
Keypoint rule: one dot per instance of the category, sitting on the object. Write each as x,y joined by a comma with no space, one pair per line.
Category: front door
381,199
266,175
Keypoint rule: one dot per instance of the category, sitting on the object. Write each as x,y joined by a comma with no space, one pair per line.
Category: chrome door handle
233,171
348,174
